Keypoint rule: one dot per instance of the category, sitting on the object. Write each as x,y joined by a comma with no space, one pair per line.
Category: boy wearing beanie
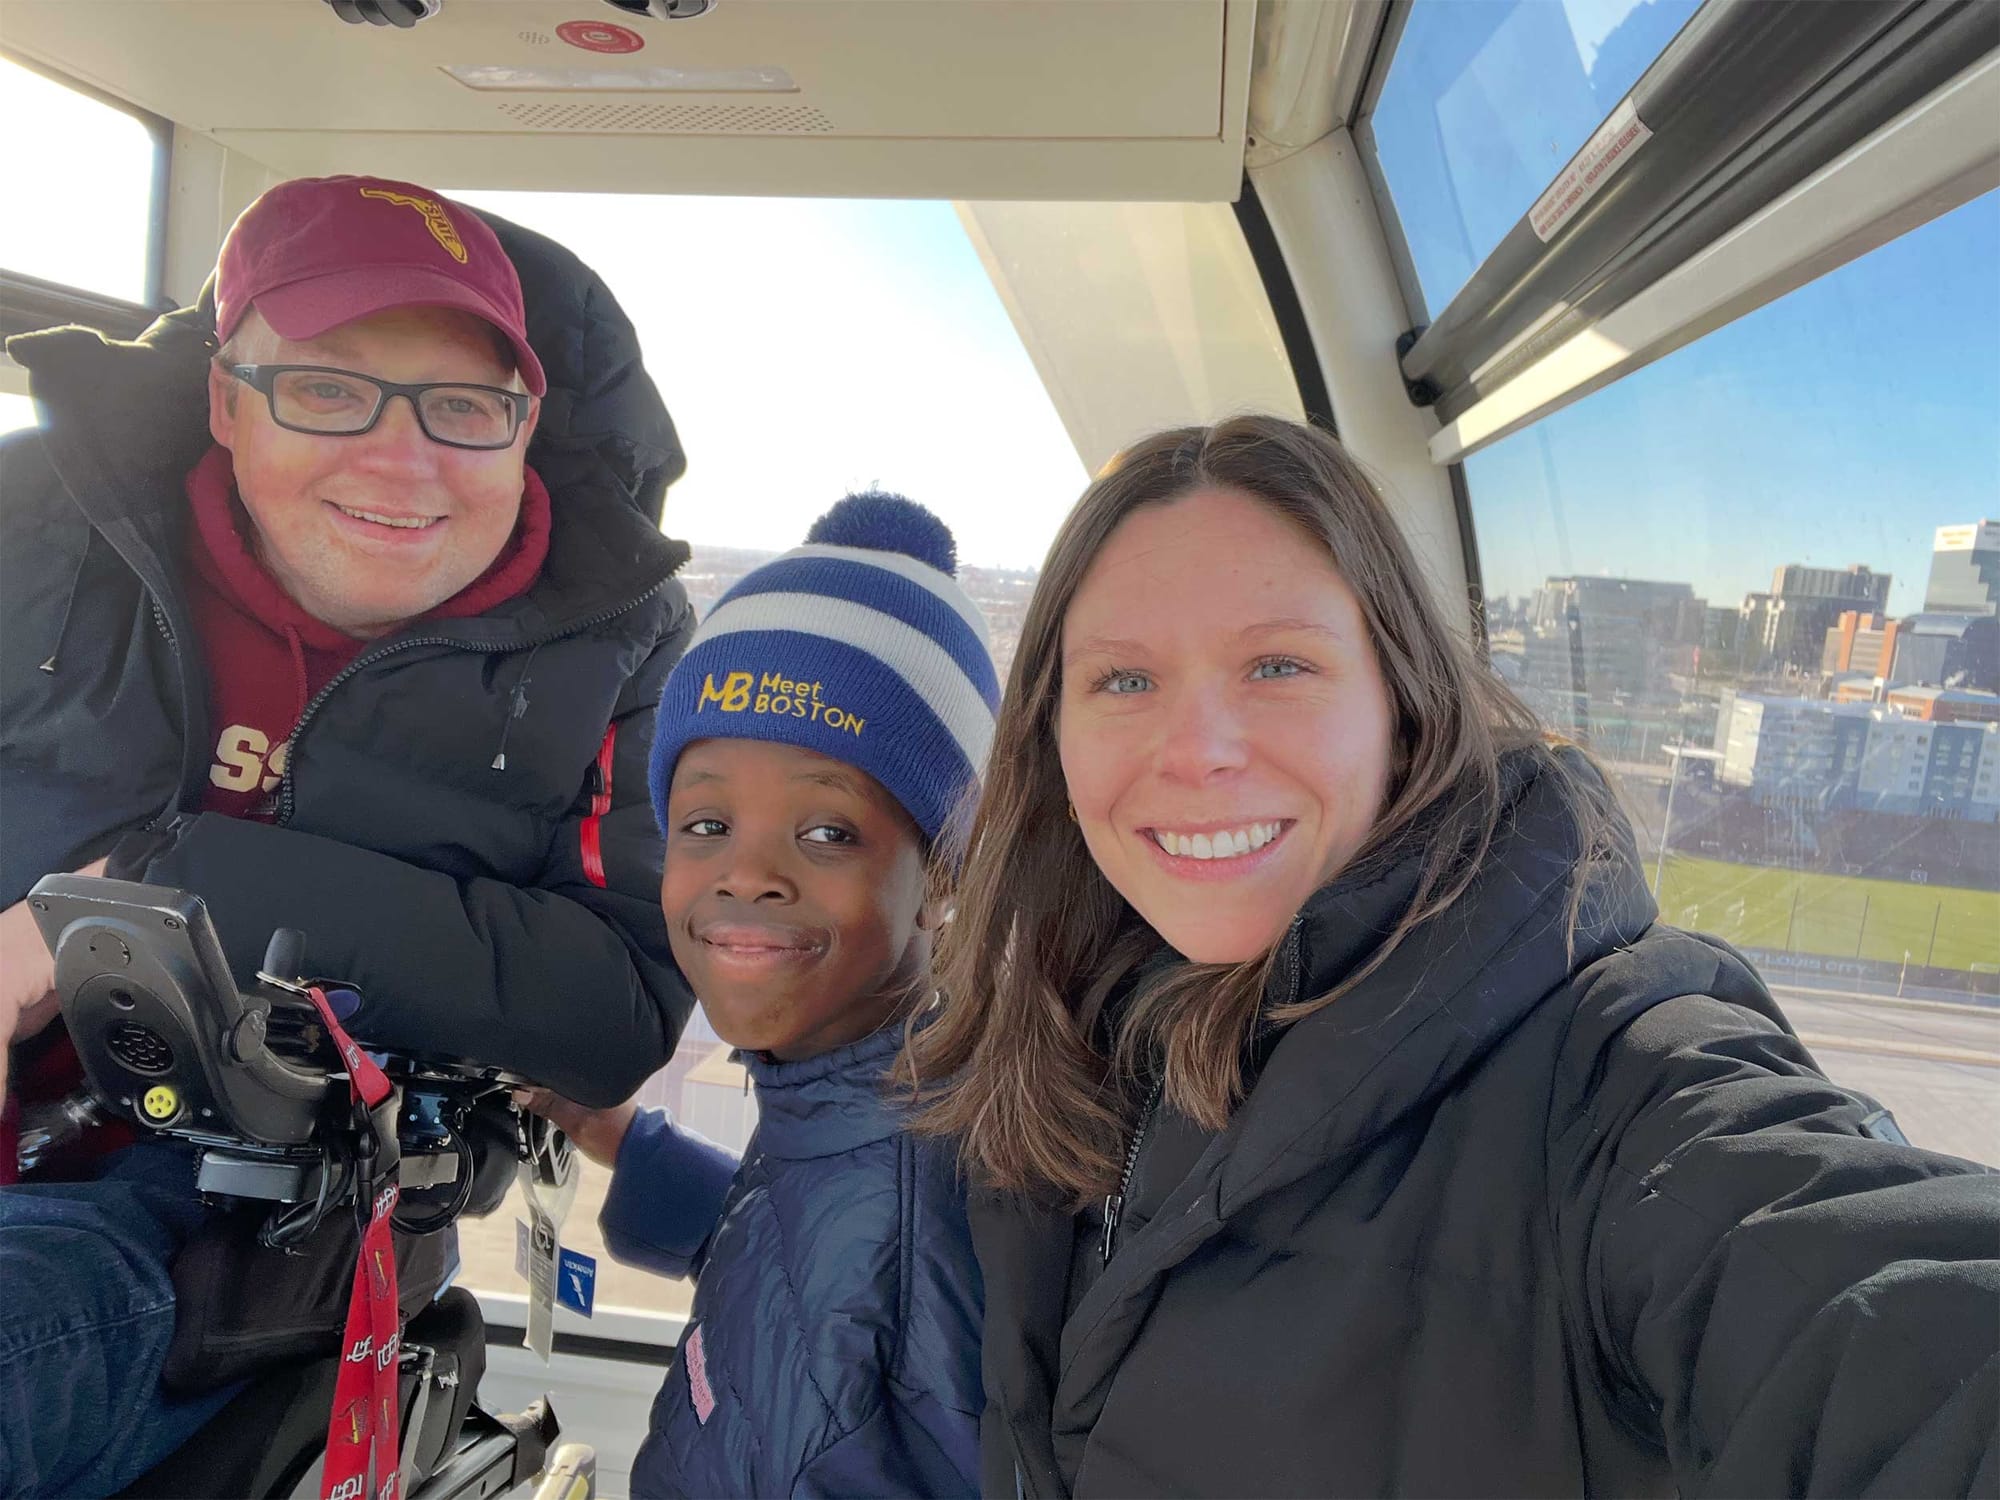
825,724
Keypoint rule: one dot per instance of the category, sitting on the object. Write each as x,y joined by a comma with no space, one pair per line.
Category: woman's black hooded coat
1509,1219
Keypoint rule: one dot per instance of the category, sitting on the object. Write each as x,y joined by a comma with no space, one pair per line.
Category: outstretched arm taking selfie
1795,1306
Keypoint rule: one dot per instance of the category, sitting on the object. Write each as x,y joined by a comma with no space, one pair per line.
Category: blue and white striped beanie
860,645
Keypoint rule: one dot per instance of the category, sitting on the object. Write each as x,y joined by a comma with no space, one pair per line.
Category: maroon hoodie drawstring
299,677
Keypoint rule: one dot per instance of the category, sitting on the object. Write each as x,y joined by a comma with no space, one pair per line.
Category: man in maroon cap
291,623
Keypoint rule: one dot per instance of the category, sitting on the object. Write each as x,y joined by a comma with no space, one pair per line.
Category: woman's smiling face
1225,730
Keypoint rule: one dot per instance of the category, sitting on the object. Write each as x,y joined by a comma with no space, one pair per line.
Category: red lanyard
365,1403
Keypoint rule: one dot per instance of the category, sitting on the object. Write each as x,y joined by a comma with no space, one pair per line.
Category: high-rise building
1858,584
1859,642
1596,655
1603,635
1786,628
1954,651
1965,570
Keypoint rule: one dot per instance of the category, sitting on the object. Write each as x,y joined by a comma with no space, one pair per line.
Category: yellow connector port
161,1103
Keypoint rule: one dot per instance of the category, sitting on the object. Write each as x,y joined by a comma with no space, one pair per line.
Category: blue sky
1842,424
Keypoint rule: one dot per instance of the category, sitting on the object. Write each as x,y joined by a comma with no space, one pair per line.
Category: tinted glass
1761,581
1486,100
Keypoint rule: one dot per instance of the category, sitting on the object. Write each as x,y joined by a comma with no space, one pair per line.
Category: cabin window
1485,101
1715,541
80,214
82,204
805,349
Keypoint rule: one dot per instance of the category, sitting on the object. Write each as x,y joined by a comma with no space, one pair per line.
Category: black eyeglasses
341,403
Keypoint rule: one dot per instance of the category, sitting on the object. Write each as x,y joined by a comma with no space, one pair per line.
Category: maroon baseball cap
321,251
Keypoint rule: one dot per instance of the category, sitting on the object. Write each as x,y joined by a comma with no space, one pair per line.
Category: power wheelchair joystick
166,1039
253,1082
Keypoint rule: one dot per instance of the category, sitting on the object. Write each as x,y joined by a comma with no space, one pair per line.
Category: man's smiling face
369,531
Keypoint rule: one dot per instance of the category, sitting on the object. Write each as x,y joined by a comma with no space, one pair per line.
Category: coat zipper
1114,1203
173,643
286,790
165,626
1292,959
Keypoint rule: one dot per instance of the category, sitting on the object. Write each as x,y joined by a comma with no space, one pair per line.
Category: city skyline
1899,583
1821,425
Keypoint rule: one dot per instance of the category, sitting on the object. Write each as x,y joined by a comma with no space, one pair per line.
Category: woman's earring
1072,811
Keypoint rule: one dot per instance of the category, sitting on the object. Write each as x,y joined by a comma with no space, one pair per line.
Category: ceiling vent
402,14
664,10
669,119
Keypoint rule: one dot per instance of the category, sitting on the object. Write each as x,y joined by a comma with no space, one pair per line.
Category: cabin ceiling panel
957,98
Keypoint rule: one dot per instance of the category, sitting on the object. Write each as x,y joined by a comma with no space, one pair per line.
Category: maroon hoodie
267,658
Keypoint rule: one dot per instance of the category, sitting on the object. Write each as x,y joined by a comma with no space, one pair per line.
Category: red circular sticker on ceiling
600,36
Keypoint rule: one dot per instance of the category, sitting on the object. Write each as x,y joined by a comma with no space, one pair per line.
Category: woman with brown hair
1341,1120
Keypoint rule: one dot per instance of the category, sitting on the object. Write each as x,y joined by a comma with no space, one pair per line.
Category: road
1936,1067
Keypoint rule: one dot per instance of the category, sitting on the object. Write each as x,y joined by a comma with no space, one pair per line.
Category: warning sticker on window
1608,149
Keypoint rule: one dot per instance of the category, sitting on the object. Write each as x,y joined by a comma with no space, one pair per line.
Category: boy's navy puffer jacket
833,1347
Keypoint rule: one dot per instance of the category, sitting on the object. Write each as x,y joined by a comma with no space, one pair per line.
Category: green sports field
1756,907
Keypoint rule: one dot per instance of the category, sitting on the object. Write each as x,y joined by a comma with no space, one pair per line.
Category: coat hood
1454,989
602,410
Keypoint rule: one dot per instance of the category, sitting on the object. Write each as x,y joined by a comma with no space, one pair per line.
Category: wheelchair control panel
251,1079
274,1100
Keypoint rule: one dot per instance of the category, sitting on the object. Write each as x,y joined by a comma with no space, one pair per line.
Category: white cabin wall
207,187
1137,316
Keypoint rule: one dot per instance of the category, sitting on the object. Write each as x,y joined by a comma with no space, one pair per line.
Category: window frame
1283,296
1374,80
1893,134
28,303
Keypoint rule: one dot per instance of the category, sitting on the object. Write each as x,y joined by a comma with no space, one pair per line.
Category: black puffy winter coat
1508,1220
499,908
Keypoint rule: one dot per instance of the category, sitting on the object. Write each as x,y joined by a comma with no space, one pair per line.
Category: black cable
461,1195
283,1230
